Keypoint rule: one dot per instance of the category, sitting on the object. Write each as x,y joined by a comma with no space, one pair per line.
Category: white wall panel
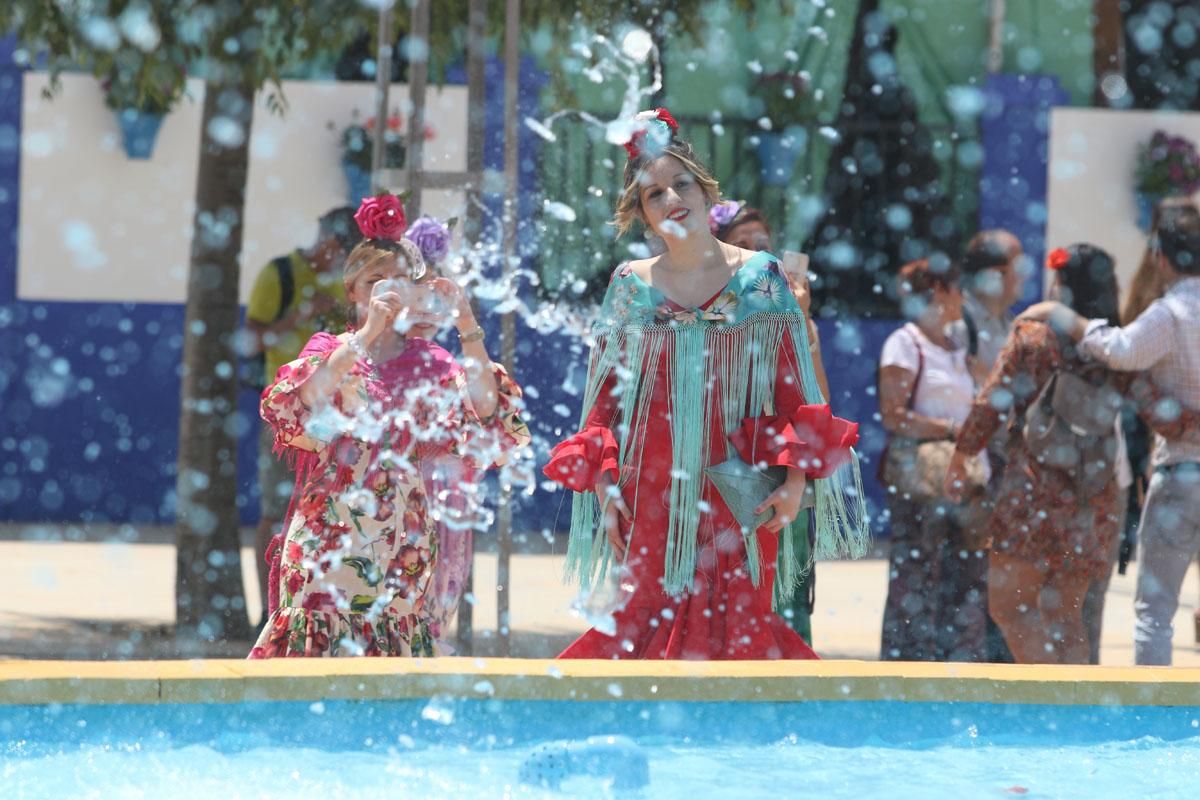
1093,154
97,226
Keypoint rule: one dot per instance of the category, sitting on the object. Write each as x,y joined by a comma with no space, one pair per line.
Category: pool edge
232,681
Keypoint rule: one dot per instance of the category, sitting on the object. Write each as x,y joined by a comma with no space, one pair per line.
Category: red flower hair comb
653,131
1057,259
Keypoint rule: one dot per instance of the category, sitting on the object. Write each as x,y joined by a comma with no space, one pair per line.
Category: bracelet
357,346
471,336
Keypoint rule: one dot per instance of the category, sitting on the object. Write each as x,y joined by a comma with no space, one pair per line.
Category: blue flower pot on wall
1146,203
777,154
358,182
139,129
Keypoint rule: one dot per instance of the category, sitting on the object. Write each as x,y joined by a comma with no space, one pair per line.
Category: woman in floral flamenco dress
392,433
703,434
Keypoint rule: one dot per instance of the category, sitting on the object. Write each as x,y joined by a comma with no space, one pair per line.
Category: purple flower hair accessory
431,236
723,213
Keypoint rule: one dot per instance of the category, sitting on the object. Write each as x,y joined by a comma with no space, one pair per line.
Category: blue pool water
457,748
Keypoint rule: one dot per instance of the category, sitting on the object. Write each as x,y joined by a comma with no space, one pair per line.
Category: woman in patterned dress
1049,539
393,432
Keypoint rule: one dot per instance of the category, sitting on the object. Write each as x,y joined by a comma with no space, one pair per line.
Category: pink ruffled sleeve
490,441
800,435
281,406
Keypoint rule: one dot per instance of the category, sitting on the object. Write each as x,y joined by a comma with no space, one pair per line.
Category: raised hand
381,313
456,302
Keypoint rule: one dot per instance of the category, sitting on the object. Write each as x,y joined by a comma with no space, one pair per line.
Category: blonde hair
1148,284
629,205
370,252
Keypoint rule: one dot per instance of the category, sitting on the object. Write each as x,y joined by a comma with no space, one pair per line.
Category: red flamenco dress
688,388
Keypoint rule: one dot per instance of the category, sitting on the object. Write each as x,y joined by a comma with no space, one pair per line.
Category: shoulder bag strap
287,285
916,340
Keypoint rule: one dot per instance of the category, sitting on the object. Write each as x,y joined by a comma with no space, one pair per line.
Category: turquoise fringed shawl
736,341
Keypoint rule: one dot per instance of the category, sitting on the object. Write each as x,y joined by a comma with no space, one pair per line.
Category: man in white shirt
1164,342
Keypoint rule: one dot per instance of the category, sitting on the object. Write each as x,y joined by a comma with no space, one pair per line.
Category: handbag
744,487
1071,428
917,468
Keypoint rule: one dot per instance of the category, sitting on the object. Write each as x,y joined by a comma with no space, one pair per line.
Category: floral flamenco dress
385,470
676,398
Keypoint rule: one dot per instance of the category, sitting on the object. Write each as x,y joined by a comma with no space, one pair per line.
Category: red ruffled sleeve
804,436
578,462
810,438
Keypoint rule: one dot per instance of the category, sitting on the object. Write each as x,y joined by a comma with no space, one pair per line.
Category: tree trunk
209,600
1108,54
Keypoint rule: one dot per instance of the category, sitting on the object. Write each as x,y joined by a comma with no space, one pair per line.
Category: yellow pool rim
235,681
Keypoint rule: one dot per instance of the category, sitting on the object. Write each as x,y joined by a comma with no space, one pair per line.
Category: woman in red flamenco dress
704,433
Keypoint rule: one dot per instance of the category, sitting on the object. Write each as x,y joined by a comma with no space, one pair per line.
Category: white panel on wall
97,226
1093,154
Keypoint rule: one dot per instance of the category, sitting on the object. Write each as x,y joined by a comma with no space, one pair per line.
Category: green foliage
143,50
786,98
1168,166
447,35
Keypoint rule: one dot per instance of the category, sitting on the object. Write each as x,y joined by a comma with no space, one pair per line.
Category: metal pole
418,80
995,60
383,81
476,116
508,325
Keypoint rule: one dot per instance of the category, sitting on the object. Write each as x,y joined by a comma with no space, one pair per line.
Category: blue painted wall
89,392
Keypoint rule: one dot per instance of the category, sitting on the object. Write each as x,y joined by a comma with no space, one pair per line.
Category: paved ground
107,600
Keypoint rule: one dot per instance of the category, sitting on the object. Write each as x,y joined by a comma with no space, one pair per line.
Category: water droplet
637,45
540,129
560,211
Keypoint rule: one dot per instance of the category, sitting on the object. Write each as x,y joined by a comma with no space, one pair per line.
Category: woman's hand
956,477
381,313
615,511
1057,316
784,501
457,304
1043,311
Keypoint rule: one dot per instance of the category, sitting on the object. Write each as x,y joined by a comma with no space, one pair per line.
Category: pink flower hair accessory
652,132
381,217
723,213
